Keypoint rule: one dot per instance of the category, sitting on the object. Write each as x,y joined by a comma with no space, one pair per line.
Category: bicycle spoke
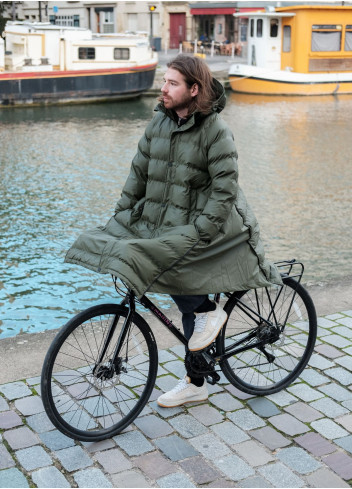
282,320
88,393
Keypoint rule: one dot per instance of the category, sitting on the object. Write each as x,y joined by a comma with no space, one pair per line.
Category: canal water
62,170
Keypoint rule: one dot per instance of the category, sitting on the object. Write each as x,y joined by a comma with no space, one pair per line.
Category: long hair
194,70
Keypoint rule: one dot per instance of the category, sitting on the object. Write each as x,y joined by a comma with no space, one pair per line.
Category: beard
179,104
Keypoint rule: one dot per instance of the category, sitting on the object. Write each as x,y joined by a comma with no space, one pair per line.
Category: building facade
170,22
100,17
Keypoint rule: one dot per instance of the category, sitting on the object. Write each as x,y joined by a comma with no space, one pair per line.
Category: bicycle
101,367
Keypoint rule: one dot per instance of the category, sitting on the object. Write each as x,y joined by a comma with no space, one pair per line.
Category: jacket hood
220,97
218,104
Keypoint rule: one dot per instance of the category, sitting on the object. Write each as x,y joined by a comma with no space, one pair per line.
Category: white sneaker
206,328
183,392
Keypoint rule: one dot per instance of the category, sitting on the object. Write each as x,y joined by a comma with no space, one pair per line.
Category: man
182,225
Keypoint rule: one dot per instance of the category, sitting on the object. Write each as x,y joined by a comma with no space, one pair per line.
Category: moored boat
297,50
46,64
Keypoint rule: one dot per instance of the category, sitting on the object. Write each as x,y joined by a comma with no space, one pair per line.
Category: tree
6,13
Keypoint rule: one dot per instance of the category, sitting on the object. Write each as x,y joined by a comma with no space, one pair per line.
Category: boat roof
24,27
259,13
287,11
42,26
314,7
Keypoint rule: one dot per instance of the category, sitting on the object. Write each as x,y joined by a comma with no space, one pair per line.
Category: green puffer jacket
182,225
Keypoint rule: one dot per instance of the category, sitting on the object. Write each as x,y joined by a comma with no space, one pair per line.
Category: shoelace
181,385
200,322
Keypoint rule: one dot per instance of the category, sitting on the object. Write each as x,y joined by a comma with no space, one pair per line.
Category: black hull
73,88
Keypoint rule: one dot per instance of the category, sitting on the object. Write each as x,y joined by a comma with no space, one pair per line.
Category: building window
65,20
86,53
107,21
274,27
326,38
252,27
121,53
219,28
348,38
286,43
132,22
260,28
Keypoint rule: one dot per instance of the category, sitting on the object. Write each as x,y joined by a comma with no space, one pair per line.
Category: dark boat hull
53,87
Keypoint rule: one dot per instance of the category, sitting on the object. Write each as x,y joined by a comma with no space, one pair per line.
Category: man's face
176,93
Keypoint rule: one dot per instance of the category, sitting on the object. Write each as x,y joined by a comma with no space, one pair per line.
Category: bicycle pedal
213,378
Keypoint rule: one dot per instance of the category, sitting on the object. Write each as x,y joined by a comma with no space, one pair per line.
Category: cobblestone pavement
300,437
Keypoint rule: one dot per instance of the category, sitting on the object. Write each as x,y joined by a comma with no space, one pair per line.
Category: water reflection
125,110
295,166
62,169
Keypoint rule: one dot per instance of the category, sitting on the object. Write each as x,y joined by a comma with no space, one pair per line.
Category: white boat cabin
46,47
265,39
2,54
301,38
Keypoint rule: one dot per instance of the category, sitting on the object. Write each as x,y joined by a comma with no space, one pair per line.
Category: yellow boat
297,50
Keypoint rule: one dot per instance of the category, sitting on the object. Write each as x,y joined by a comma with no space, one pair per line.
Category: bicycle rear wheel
283,320
87,397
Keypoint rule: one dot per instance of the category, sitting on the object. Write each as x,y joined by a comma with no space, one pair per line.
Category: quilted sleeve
222,168
134,188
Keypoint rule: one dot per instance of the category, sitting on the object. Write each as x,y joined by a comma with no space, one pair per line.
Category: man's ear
195,90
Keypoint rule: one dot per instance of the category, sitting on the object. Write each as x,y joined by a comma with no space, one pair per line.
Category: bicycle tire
251,371
78,400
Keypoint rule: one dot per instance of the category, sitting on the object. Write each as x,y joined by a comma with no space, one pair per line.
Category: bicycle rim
85,396
287,307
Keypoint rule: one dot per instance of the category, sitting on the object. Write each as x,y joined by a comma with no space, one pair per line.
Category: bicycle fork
105,371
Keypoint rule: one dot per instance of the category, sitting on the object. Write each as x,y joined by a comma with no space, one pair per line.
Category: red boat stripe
63,74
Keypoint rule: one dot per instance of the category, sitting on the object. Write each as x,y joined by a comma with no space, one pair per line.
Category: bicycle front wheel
272,332
86,394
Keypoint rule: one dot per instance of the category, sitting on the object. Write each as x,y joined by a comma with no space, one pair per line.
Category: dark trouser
187,304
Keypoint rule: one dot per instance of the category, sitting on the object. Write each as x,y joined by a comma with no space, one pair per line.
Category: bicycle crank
202,365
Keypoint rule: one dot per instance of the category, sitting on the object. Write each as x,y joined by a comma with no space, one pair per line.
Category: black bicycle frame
230,350
148,304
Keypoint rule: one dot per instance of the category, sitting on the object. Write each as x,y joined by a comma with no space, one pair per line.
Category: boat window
348,38
86,53
286,43
260,28
252,27
326,37
243,29
121,53
274,27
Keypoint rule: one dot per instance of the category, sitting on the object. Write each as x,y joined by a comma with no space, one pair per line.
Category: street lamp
152,8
